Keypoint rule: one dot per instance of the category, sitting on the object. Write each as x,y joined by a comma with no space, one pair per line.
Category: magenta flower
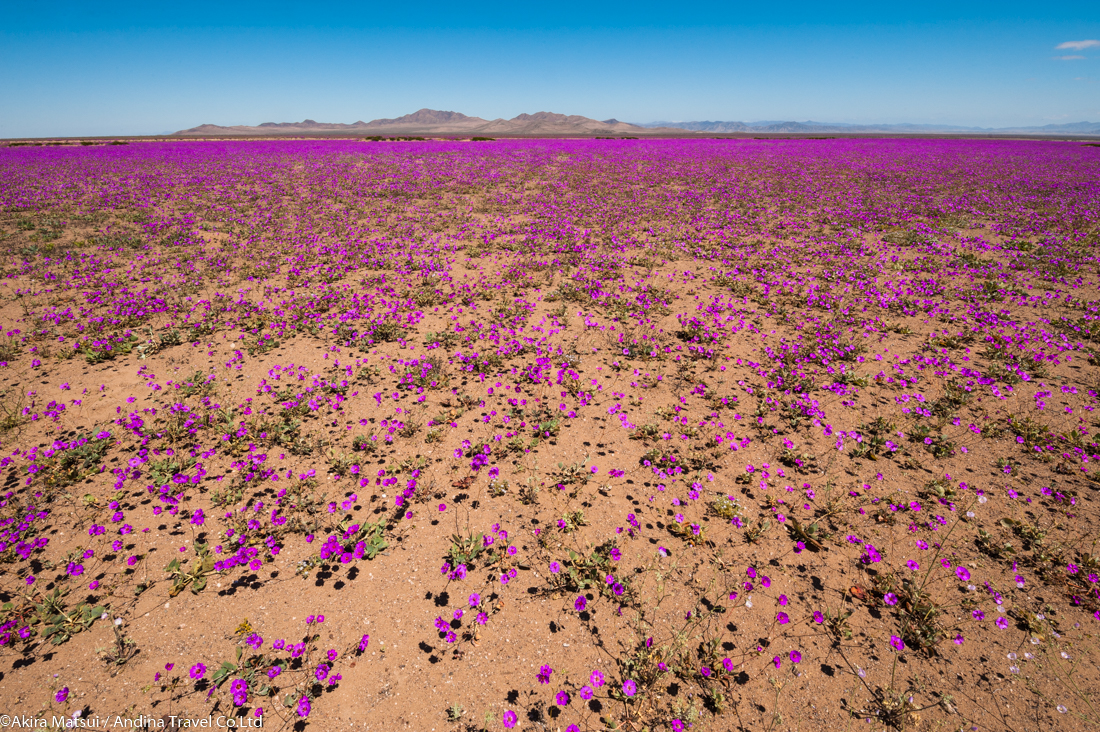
509,719
897,643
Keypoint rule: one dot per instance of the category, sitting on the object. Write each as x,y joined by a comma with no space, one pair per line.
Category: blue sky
135,68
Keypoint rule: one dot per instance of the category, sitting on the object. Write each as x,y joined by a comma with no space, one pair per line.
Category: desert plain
551,434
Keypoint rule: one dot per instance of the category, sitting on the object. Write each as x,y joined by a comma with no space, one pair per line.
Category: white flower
1062,708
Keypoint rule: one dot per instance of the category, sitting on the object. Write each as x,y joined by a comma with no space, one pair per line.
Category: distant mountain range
1074,128
434,122
427,122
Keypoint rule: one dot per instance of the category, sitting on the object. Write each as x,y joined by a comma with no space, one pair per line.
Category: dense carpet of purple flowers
740,415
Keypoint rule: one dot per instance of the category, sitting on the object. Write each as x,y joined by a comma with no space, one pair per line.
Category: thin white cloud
1069,58
1077,45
